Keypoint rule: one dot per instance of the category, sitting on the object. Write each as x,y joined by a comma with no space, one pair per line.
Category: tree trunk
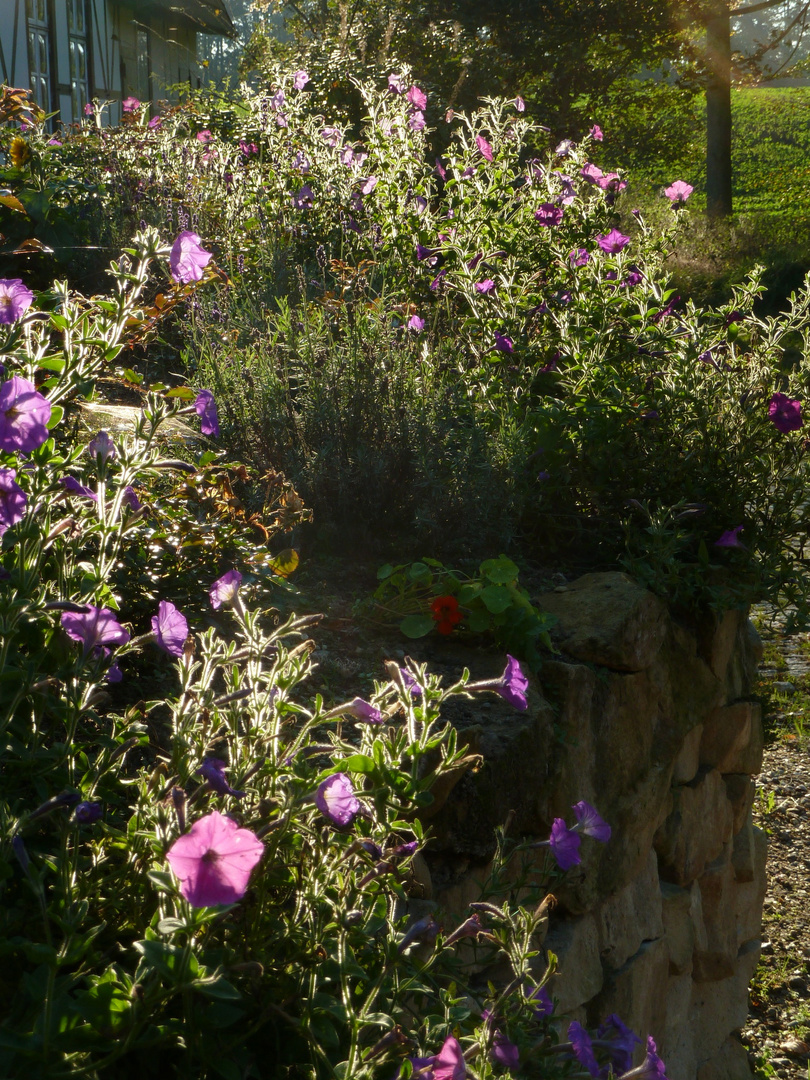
718,113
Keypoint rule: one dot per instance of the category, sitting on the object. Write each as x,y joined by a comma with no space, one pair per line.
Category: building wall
115,53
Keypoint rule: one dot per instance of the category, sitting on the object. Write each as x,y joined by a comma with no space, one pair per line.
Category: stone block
729,1063
608,619
721,1007
717,957
740,789
637,991
750,895
733,739
694,833
630,917
674,1041
679,928
718,638
687,762
579,976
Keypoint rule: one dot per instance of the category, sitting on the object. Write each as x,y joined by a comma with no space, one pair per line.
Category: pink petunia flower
170,628
336,800
484,147
678,192
188,258
12,500
785,413
214,860
24,413
15,298
417,97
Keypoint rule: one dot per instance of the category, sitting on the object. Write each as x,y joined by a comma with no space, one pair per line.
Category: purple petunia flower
395,84
300,79
416,324
541,999
102,446
611,182
678,192
336,800
73,487
130,104
596,133
563,149
613,242
423,253
170,628
214,860
205,137
583,1047
410,683
513,684
88,109
12,500
303,198
484,147
94,627
188,258
590,822
503,343
440,169
206,409
437,280
485,286
332,136
548,215
652,1068
88,813
416,121
579,257
471,927
504,1052
592,173
520,104
15,298
730,538
785,412
564,844
622,1041
248,148
155,122
449,1063
417,97
130,498
369,185
213,770
363,710
24,413
568,193
225,589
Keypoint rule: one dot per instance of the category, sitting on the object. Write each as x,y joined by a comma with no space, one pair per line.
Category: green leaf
185,393
420,572
478,621
133,376
496,598
417,625
501,571
361,763
52,363
385,572
218,988
57,412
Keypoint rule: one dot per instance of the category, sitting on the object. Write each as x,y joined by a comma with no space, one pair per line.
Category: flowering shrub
481,337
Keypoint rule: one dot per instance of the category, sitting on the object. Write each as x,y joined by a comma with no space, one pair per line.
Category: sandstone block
719,1008
696,830
679,928
630,917
687,762
726,735
579,977
608,619
637,992
729,1063
750,895
674,1041
740,789
717,958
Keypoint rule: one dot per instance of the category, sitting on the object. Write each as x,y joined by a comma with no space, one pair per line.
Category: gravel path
778,1031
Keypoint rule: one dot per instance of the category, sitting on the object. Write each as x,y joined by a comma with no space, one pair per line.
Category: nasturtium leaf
501,571
496,598
284,563
416,625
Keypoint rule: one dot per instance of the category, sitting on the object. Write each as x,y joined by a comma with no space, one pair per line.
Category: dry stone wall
650,721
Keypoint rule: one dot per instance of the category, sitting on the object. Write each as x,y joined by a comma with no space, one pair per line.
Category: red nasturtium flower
446,613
